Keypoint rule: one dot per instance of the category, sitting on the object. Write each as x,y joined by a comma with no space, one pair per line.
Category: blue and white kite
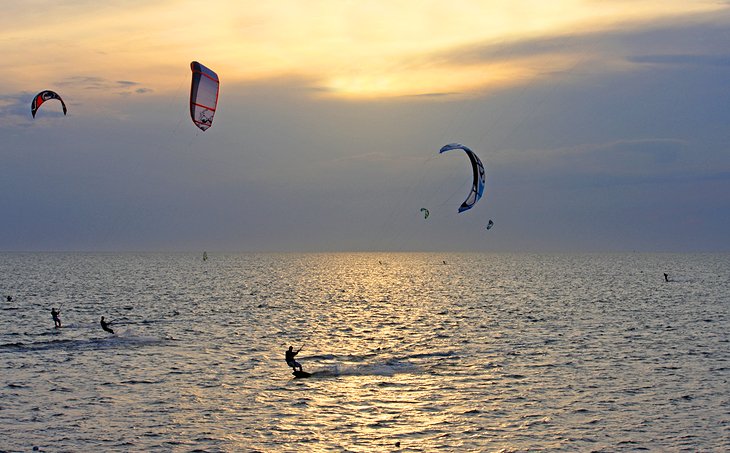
477,188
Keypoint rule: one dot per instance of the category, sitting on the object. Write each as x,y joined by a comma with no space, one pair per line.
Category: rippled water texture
410,352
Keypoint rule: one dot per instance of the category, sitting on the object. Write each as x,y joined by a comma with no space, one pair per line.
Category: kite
425,213
203,95
42,97
477,188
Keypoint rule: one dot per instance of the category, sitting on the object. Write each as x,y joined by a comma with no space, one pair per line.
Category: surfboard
301,374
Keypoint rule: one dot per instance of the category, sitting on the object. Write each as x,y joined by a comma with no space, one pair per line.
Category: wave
372,369
428,355
344,358
370,356
124,340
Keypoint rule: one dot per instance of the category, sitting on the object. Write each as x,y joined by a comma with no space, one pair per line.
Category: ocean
410,352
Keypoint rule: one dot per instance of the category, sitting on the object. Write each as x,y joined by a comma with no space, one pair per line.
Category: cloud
15,109
15,105
95,83
435,95
696,40
85,82
652,150
628,162
682,60
352,50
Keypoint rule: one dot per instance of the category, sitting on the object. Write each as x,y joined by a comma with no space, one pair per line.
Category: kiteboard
301,374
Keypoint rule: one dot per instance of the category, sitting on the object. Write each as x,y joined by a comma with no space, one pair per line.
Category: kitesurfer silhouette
666,277
290,358
9,298
105,325
55,315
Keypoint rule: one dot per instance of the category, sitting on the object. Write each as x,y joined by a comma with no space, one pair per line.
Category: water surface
450,352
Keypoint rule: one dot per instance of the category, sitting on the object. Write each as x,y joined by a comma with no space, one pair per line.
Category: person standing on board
56,319
105,325
290,358
666,277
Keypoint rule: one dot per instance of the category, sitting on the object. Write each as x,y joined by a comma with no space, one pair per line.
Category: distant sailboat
205,256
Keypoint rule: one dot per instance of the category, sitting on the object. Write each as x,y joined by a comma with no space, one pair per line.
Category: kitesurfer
105,325
55,315
290,358
666,277
9,298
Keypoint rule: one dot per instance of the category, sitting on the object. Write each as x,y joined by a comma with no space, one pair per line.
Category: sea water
409,352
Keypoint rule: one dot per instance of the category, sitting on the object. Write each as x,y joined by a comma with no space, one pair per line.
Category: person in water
666,277
105,325
9,298
290,358
56,319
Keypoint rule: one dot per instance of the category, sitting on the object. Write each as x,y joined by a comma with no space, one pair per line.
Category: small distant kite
203,95
490,224
42,97
477,188
425,213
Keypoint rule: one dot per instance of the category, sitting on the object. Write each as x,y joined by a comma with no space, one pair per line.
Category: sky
602,126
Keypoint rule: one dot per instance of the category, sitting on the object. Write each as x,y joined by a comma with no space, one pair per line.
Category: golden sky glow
343,48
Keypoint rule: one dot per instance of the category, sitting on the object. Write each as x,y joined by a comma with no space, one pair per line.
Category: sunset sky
602,125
